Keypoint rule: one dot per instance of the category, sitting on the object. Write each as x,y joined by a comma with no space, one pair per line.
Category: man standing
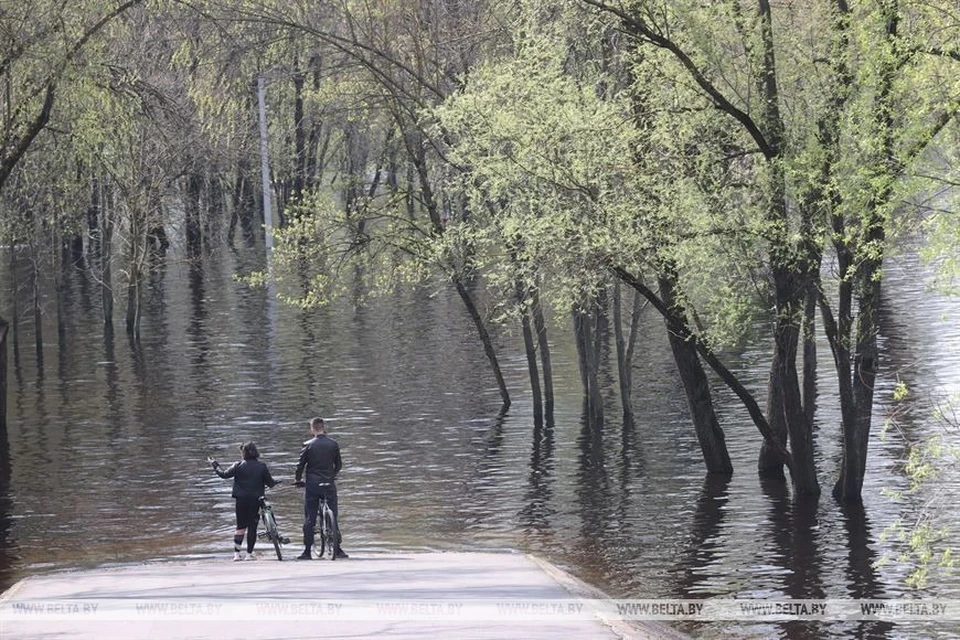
320,457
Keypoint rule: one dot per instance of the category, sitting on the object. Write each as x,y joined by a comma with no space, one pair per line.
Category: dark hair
316,424
249,451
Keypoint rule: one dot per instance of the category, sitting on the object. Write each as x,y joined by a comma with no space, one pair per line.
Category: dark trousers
311,507
248,516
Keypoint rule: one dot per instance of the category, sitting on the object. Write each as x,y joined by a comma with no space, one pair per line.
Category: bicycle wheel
330,532
323,531
271,524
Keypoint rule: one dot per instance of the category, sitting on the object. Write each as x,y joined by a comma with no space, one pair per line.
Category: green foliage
924,546
548,175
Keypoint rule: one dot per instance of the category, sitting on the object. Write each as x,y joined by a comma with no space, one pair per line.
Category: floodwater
108,437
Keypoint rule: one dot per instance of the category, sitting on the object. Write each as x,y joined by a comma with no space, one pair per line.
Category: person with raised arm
250,476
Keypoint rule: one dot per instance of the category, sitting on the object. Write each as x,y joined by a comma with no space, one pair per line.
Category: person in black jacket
250,476
320,458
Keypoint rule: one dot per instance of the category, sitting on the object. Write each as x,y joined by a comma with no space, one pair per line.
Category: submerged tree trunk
530,348
524,296
865,258
623,363
485,340
315,157
589,361
299,136
785,396
93,222
789,271
106,256
696,386
683,331
601,326
242,203
37,301
15,305
770,461
61,263
134,275
808,331
194,192
545,364
849,486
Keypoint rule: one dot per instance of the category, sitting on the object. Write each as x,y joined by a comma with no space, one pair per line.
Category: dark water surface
108,439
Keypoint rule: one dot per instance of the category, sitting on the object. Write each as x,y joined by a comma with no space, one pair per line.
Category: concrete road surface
430,595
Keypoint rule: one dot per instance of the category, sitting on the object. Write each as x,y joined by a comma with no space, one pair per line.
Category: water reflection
8,544
862,579
593,488
537,513
793,532
704,546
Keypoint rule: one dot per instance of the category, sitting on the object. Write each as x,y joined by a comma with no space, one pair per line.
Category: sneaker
252,556
339,554
305,555
237,556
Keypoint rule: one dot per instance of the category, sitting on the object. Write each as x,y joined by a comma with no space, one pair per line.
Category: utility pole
265,167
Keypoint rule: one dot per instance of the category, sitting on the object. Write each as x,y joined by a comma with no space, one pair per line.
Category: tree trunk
93,223
856,428
623,364
545,364
37,307
808,331
785,389
134,274
789,273
411,202
601,325
213,221
106,257
770,462
194,235
60,267
531,351
678,327
299,136
580,340
15,305
589,362
133,305
485,340
696,386
313,165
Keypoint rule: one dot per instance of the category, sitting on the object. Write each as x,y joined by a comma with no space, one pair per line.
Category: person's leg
331,495
311,505
253,518
241,528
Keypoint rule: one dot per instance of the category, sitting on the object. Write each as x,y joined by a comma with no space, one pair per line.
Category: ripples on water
108,441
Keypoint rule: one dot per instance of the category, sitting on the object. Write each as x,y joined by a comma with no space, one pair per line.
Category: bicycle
270,530
328,527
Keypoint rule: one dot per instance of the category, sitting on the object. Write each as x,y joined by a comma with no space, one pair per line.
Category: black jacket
320,457
249,478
